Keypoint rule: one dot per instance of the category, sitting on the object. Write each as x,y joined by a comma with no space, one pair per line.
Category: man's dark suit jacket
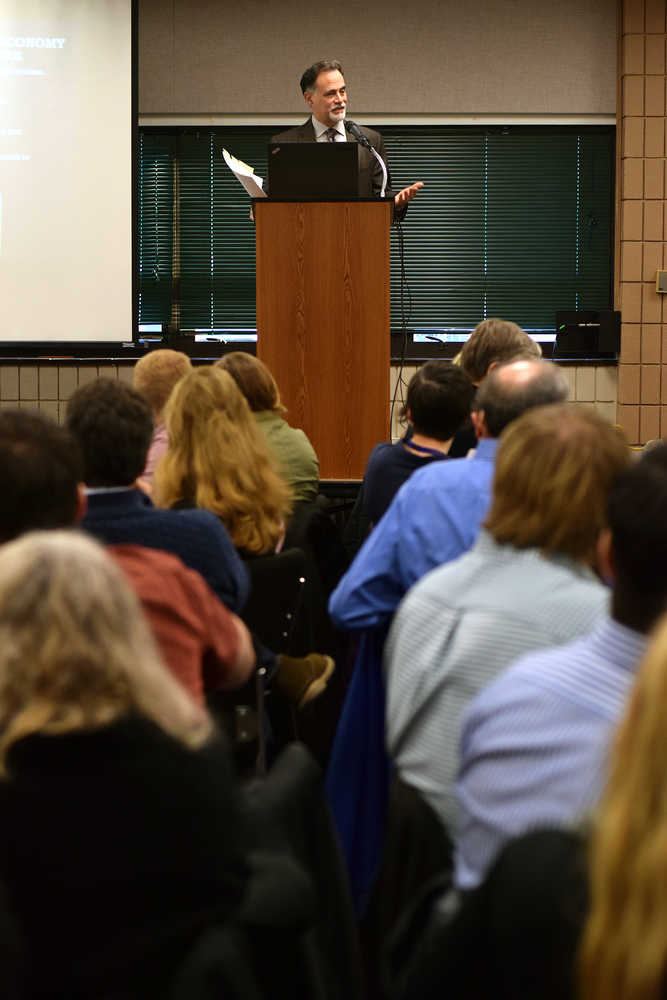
370,172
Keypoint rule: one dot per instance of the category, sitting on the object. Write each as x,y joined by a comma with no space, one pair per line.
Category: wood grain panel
323,322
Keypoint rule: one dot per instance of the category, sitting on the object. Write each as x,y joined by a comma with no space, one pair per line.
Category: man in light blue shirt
534,744
436,514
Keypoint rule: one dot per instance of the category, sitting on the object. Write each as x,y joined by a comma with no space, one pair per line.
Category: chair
293,934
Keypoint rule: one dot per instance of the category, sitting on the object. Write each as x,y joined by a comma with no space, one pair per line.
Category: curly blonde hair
218,459
623,953
75,650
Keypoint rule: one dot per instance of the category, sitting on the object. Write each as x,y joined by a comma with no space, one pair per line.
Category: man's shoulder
298,133
555,669
370,133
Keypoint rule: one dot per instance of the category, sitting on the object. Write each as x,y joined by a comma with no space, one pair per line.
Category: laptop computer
314,171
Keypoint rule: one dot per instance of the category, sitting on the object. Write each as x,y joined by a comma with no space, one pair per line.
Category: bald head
512,389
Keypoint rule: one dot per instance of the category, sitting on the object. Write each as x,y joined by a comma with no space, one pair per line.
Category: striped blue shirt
534,743
456,630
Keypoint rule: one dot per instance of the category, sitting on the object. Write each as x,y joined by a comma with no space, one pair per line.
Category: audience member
112,424
493,342
289,446
534,743
438,402
569,913
528,582
218,460
204,644
154,376
121,837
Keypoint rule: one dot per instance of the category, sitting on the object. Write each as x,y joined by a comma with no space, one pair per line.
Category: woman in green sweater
289,445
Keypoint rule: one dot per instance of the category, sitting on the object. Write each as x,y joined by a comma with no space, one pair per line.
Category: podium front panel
323,322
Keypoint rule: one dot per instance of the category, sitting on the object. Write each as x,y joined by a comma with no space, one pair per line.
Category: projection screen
66,140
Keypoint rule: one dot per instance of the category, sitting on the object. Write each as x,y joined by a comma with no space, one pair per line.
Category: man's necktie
331,134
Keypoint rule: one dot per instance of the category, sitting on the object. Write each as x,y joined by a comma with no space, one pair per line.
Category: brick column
641,219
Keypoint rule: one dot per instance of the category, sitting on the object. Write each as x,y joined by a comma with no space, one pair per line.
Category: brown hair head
254,380
554,469
495,340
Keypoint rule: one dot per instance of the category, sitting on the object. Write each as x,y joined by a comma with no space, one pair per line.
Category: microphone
356,132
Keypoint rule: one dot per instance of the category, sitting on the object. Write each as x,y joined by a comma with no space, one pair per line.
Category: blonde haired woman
624,948
289,445
218,460
119,837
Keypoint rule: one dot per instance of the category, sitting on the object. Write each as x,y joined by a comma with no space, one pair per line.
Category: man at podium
324,90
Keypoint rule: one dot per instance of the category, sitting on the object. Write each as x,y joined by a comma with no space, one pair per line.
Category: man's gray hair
511,389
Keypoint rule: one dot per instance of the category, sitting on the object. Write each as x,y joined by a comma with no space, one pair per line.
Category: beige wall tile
28,404
633,53
649,423
663,387
628,418
87,373
630,343
570,373
633,136
9,382
651,304
125,373
628,384
606,383
28,382
607,410
584,386
633,178
631,301
655,54
48,382
652,260
654,137
632,227
653,218
633,95
664,344
654,95
650,384
107,371
51,407
663,421
655,15
654,179
651,337
631,260
633,16
68,379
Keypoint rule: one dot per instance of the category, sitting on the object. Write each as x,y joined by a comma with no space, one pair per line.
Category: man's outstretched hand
407,194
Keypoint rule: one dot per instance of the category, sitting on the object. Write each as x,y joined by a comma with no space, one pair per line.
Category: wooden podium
323,322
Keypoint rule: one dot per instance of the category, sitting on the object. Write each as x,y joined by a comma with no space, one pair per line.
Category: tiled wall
588,384
641,220
48,387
